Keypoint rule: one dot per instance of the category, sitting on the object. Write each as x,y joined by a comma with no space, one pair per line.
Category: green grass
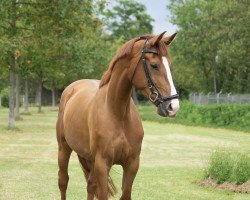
172,161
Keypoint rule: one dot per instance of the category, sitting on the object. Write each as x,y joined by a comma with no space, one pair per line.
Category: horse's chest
121,148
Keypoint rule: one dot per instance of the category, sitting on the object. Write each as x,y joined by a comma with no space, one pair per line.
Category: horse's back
85,85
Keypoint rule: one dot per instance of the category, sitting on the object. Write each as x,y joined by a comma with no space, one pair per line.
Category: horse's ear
168,40
156,39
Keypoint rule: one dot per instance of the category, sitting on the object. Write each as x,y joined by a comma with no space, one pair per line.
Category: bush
235,116
220,166
242,169
5,97
227,165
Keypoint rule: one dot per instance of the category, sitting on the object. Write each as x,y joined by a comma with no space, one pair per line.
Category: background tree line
50,43
212,50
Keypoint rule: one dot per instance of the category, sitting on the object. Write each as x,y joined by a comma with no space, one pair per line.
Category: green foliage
228,165
57,40
211,50
220,166
5,97
72,48
51,42
128,19
242,169
235,116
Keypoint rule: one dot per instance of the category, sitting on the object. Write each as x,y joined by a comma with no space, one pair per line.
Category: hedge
233,116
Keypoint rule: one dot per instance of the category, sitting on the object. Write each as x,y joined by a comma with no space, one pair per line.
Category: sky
158,11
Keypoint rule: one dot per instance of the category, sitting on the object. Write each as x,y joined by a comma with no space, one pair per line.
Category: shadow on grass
29,113
18,118
11,130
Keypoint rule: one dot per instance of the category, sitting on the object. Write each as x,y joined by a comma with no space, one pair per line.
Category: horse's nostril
170,108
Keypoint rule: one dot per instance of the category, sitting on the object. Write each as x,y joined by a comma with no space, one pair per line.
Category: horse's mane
126,50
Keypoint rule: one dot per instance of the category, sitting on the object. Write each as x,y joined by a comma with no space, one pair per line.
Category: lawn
172,161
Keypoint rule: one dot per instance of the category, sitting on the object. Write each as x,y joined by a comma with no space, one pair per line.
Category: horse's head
150,73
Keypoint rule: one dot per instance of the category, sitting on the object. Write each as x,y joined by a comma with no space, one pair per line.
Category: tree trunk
0,99
215,80
11,96
205,72
12,65
39,95
26,96
17,114
36,97
53,94
134,95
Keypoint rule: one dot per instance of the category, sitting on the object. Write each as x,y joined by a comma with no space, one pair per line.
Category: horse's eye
155,66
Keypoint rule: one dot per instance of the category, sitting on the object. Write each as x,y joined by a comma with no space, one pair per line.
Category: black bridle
158,99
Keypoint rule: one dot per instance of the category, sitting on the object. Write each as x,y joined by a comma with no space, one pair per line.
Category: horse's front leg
64,153
129,172
101,170
91,186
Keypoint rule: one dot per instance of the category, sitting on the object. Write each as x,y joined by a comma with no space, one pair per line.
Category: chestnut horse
99,121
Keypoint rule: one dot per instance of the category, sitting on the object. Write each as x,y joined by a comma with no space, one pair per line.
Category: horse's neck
119,91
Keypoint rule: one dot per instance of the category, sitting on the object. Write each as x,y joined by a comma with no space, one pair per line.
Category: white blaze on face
169,76
174,102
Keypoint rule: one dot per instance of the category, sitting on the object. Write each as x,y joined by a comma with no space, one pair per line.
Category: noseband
158,99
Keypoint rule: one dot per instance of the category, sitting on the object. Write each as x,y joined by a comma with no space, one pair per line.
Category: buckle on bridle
156,97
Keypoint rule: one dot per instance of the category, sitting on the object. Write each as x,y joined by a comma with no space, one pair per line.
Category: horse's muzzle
168,108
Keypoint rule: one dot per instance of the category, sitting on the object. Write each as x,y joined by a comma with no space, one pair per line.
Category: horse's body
99,136
100,123
82,115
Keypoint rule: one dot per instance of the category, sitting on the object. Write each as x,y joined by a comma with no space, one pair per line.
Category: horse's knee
91,187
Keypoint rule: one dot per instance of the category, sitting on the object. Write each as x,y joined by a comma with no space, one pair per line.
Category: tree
11,45
213,39
127,20
69,50
72,47
52,42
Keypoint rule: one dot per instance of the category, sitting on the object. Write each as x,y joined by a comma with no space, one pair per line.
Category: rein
158,99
